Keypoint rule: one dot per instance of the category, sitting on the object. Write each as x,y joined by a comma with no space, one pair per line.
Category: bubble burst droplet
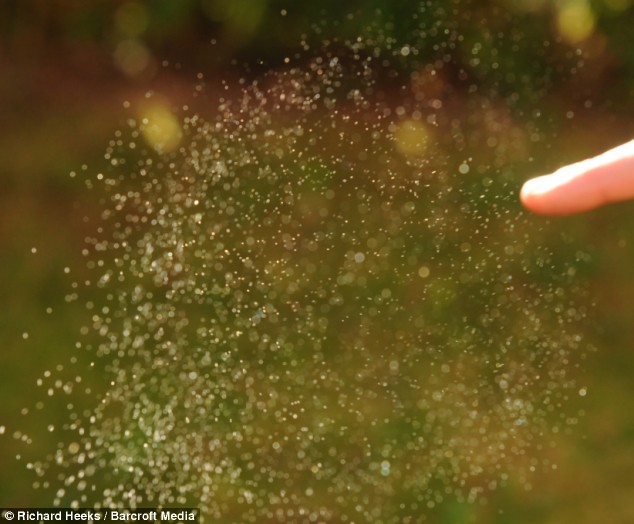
295,323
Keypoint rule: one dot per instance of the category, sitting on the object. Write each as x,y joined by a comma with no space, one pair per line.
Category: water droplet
423,271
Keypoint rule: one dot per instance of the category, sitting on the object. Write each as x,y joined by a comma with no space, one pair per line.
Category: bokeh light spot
411,138
132,57
575,21
160,128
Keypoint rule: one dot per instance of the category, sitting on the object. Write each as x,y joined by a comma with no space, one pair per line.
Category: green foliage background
63,75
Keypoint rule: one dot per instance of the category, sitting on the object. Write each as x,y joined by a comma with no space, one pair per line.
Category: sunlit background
555,83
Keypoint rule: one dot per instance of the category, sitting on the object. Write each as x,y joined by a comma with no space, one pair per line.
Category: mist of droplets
318,301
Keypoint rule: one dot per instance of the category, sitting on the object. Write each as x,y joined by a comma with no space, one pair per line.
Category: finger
585,185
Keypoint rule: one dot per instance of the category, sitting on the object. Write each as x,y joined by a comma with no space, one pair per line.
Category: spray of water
319,300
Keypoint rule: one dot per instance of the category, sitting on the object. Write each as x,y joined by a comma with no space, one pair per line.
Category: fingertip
584,185
533,194
557,194
527,191
551,195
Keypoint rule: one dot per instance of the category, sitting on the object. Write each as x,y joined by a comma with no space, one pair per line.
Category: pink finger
585,185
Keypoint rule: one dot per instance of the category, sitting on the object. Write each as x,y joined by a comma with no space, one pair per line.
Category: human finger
583,186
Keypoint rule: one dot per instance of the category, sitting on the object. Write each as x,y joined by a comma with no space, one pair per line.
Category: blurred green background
67,66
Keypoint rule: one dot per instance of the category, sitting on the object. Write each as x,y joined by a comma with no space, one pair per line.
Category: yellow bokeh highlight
160,127
411,138
575,21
